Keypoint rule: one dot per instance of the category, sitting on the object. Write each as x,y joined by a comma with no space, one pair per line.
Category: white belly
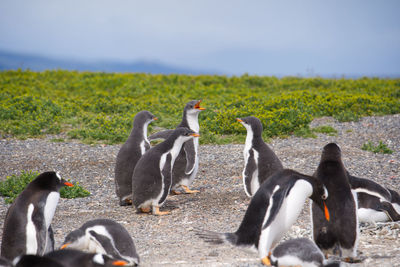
370,215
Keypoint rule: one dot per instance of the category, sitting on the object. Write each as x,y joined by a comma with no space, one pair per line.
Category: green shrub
325,129
15,184
99,107
380,148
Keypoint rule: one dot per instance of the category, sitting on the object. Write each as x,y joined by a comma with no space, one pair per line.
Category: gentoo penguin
272,211
103,236
151,180
74,258
340,234
129,154
260,161
27,225
35,261
375,202
187,163
300,252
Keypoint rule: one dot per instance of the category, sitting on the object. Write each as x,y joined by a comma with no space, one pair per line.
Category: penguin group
145,175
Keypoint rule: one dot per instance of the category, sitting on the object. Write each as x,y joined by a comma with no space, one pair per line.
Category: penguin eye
325,194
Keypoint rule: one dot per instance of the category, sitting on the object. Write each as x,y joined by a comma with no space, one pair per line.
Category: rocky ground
220,205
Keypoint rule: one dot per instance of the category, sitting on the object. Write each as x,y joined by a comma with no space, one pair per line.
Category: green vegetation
99,107
15,184
325,129
379,148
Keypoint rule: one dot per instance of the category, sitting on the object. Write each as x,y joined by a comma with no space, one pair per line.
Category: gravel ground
220,205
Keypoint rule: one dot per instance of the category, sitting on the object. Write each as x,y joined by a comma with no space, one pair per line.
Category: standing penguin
129,154
272,211
27,227
260,161
187,163
300,252
340,234
151,180
103,236
375,202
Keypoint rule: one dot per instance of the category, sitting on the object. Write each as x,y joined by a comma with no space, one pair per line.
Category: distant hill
13,61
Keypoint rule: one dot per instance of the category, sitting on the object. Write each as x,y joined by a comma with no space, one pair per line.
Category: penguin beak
119,263
68,184
239,120
326,211
195,135
65,245
155,118
197,106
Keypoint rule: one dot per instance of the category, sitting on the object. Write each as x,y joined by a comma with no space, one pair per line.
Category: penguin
103,236
151,180
260,161
27,224
375,202
272,211
74,258
300,252
187,163
35,261
340,234
129,154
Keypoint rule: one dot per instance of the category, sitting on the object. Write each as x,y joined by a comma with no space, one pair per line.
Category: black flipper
249,170
277,200
160,135
190,152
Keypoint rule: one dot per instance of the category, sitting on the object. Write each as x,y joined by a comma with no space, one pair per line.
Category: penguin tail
216,238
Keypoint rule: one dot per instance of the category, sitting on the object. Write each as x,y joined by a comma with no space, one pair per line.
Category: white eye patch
58,176
98,258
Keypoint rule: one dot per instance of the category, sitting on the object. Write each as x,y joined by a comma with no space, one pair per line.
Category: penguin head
50,181
193,107
184,134
143,117
331,152
252,124
319,196
99,259
76,239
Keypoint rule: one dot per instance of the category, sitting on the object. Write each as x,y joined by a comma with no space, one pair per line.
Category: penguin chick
272,211
375,202
300,252
341,232
27,227
103,236
151,180
187,163
260,161
74,258
129,154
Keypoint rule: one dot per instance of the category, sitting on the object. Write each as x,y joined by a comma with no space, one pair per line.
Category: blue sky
341,37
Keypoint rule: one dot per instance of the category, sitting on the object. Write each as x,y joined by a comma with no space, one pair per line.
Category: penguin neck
249,138
191,120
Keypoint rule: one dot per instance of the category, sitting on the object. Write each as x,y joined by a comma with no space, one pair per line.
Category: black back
342,227
74,258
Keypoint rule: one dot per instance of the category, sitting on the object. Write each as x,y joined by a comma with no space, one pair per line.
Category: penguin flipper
387,207
166,173
160,135
50,241
249,170
41,231
215,237
190,152
277,199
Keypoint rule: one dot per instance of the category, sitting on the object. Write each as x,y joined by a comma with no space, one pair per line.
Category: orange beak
197,106
68,184
155,118
195,135
239,120
65,245
327,217
119,263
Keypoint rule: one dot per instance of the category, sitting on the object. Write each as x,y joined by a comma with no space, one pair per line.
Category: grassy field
99,107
